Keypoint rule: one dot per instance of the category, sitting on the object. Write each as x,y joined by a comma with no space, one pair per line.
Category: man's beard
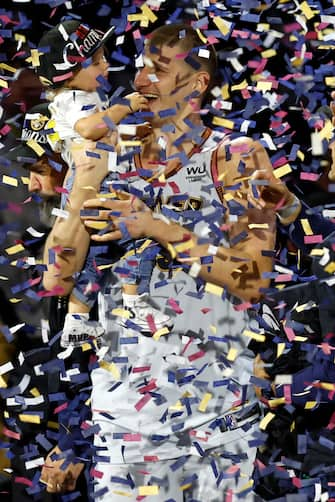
45,208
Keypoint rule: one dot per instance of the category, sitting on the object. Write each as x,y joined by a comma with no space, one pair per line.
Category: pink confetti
212,40
187,345
313,239
232,469
309,176
150,458
229,496
61,78
245,94
11,434
61,407
132,437
15,208
5,129
296,482
287,394
23,481
149,387
196,355
141,369
283,278
142,402
173,304
181,55
174,186
242,306
289,333
137,35
151,323
96,474
61,190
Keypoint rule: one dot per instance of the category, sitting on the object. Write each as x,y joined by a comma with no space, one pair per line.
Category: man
46,168
46,175
173,413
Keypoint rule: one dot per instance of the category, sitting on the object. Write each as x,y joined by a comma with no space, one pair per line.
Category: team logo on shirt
180,202
196,172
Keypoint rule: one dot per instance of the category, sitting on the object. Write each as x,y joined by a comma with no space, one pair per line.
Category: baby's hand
137,102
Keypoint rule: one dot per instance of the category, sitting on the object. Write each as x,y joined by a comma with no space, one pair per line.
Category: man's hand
273,194
55,478
117,217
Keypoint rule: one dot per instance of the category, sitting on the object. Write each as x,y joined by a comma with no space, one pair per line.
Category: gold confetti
212,288
111,367
222,24
7,67
255,336
30,419
36,147
3,83
204,402
148,13
161,332
282,171
266,420
229,124
145,490
9,180
309,405
232,354
268,53
14,249
121,313
306,226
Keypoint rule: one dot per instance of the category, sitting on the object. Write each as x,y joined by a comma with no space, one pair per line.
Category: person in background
46,170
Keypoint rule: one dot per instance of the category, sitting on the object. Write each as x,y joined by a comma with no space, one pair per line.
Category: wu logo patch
196,171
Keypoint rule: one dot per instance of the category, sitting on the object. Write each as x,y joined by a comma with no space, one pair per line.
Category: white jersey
66,109
164,394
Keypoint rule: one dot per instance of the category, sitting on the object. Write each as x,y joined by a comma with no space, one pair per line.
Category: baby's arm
94,127
136,102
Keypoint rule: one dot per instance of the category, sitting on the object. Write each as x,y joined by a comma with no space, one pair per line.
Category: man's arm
239,268
67,244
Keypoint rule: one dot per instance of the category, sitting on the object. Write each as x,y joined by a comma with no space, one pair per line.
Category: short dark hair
188,39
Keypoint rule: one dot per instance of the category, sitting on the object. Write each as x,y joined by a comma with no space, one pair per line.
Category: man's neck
167,141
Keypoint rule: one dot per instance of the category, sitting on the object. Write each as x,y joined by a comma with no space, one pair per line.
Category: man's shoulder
239,157
242,145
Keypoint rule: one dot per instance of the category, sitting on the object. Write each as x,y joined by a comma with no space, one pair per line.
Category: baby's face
86,78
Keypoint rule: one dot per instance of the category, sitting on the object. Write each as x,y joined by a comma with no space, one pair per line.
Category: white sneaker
79,330
143,314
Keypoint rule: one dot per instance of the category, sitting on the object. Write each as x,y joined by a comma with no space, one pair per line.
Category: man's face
167,81
43,179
